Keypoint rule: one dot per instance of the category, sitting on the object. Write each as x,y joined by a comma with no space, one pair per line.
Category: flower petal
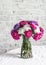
15,35
28,33
37,36
17,26
22,23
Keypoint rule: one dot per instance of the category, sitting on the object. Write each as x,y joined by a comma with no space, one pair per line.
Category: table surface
13,57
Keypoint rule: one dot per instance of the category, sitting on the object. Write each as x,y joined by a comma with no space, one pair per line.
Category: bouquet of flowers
27,29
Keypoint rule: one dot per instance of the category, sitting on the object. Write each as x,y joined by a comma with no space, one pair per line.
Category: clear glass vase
26,50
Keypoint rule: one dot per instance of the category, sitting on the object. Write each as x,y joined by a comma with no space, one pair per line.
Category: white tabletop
13,57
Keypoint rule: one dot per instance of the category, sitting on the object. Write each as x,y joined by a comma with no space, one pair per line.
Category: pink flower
28,33
37,36
42,30
22,23
15,35
35,22
33,25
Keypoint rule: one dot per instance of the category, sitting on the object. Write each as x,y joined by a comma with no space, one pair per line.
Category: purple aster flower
17,26
36,23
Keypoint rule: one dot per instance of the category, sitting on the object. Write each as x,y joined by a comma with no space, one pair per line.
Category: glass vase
26,50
